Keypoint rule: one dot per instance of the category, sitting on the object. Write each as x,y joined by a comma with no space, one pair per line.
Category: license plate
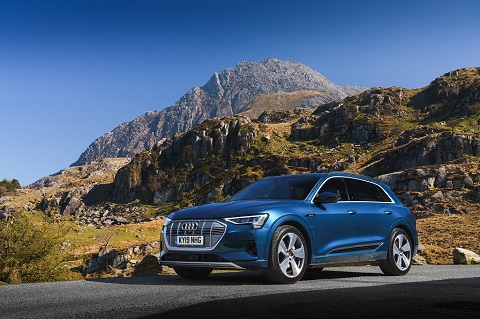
189,240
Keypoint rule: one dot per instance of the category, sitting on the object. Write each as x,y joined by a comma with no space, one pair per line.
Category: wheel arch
407,230
301,228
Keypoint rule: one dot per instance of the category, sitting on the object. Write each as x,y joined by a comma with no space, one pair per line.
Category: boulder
120,261
419,260
149,266
463,256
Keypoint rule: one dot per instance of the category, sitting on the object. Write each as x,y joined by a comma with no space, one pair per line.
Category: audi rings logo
191,226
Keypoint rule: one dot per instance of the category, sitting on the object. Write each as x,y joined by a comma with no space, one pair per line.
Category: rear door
376,212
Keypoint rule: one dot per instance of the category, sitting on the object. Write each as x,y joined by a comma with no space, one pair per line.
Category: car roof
322,175
317,175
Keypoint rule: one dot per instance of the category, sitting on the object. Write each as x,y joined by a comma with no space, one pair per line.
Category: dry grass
86,240
443,233
284,101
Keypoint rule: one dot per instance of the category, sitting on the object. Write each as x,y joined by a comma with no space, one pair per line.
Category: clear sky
73,70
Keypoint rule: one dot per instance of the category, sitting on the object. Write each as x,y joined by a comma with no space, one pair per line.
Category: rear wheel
192,273
287,257
399,256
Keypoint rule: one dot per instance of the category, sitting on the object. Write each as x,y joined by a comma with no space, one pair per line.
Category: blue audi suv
284,224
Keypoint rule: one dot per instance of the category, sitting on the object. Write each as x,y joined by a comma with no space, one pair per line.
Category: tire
287,258
192,273
399,255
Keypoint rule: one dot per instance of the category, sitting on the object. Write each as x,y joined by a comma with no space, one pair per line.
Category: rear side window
365,192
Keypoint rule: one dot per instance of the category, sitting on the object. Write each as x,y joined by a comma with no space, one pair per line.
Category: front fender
308,231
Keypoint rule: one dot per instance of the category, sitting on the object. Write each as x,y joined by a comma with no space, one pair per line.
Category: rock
149,266
437,196
92,266
419,260
50,205
73,207
121,220
6,215
4,199
463,256
120,261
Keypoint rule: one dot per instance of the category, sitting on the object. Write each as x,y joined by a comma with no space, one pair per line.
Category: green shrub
9,186
31,251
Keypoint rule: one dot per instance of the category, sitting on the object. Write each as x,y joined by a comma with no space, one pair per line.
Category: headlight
256,221
168,220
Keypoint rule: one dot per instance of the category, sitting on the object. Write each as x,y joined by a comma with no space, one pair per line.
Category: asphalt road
352,292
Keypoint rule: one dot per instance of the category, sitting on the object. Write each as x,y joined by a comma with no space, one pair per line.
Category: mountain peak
228,92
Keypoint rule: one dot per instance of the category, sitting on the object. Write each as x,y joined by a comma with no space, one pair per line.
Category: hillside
424,143
244,88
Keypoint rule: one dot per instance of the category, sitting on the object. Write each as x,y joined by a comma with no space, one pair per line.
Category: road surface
350,292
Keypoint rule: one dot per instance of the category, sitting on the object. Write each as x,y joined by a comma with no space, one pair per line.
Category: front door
337,223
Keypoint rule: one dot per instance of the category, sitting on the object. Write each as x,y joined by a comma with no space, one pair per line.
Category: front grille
211,230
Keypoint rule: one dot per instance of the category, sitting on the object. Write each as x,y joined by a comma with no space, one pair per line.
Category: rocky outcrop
283,116
437,148
437,189
463,256
69,194
356,119
112,261
452,94
226,93
149,173
432,177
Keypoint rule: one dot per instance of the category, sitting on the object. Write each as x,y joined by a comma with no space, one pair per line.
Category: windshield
278,188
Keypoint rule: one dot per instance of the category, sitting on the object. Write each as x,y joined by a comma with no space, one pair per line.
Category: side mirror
326,197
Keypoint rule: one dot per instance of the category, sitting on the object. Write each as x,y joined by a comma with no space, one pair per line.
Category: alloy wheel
291,255
402,252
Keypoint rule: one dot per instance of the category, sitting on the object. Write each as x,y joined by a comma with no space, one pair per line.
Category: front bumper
240,247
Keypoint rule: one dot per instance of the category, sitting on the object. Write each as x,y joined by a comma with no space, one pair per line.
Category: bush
30,252
9,186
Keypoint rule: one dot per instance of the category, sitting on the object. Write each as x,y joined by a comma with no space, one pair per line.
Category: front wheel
192,273
399,256
287,257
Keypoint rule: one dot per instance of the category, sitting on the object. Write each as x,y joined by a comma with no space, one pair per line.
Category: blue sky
70,71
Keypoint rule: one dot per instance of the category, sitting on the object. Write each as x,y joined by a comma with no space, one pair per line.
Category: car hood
233,208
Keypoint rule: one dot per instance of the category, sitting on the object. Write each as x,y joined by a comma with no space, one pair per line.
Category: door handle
351,212
388,212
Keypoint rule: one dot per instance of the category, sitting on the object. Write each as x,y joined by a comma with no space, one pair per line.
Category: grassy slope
284,101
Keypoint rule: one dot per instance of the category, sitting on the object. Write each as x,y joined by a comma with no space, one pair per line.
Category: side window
337,186
365,191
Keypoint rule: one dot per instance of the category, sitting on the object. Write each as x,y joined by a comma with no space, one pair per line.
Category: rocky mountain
248,87
424,143
435,125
